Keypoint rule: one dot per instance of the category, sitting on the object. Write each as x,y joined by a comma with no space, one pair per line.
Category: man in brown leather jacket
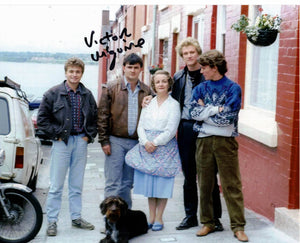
118,114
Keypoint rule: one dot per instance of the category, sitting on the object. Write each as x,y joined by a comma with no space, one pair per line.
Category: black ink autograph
105,42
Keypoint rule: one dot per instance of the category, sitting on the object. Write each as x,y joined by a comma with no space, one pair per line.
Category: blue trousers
64,158
118,175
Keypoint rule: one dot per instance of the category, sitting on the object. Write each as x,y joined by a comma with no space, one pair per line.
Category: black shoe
218,225
187,223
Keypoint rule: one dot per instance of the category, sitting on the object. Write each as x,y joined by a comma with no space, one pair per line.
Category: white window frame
221,27
200,20
256,123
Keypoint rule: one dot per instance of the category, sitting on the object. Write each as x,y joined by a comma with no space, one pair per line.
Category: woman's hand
146,100
150,147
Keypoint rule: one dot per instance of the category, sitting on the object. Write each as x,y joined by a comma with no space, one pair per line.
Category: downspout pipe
153,34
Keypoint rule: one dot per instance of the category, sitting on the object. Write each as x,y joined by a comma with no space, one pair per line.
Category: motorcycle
21,215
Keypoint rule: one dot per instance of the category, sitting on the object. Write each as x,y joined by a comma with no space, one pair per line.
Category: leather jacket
55,114
179,85
113,111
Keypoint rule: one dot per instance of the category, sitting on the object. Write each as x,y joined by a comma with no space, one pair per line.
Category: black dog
121,223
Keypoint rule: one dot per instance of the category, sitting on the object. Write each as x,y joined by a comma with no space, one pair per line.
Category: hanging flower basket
153,69
265,38
263,32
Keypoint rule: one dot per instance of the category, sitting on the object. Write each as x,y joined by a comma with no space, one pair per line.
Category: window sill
258,125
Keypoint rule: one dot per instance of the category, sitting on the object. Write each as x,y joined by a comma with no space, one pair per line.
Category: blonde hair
189,41
170,80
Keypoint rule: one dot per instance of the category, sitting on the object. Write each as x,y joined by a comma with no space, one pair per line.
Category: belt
76,133
189,121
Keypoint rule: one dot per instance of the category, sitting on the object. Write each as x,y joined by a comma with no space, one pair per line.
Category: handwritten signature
105,41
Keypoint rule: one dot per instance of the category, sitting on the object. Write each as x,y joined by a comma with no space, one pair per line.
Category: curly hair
74,61
189,41
170,80
214,58
113,201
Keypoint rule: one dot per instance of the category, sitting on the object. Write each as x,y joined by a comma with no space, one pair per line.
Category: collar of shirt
69,89
128,85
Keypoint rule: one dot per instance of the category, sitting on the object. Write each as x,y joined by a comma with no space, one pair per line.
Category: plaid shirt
77,116
132,106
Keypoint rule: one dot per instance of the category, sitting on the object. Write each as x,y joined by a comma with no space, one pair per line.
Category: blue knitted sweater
214,94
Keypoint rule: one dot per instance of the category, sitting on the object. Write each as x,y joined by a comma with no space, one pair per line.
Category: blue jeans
63,157
118,175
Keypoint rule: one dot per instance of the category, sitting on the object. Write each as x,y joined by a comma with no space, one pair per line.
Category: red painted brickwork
242,57
235,47
207,28
287,115
149,14
130,21
271,175
141,11
174,44
189,25
213,24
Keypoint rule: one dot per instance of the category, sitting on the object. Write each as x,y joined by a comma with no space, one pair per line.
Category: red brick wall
270,175
140,20
287,110
130,22
150,13
213,24
207,29
232,53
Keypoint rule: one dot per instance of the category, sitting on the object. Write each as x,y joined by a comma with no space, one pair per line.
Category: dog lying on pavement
121,223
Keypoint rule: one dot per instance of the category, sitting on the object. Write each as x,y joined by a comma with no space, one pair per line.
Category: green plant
262,22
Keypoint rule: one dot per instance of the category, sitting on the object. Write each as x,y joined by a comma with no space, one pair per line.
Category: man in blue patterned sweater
215,106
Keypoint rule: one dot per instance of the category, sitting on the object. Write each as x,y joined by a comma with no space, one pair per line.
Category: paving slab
258,228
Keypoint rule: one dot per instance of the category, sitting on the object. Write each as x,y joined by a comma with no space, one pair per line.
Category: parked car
23,154
34,102
38,133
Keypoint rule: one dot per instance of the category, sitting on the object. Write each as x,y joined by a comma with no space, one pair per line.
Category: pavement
258,228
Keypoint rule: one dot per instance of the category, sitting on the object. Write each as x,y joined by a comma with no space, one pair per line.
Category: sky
62,25
50,27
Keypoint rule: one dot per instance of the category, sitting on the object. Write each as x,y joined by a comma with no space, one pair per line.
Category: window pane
263,86
199,28
264,77
165,52
4,118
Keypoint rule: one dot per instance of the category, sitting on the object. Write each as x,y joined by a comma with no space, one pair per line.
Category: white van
23,154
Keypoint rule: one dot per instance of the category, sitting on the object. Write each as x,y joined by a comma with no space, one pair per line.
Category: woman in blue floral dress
156,158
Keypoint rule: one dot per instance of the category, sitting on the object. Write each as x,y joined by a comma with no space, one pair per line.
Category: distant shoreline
43,57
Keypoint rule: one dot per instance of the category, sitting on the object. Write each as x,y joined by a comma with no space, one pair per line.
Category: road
258,228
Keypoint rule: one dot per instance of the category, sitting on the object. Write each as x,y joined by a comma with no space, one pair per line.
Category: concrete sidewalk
258,229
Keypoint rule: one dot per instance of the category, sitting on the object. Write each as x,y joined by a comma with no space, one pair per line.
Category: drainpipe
153,33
